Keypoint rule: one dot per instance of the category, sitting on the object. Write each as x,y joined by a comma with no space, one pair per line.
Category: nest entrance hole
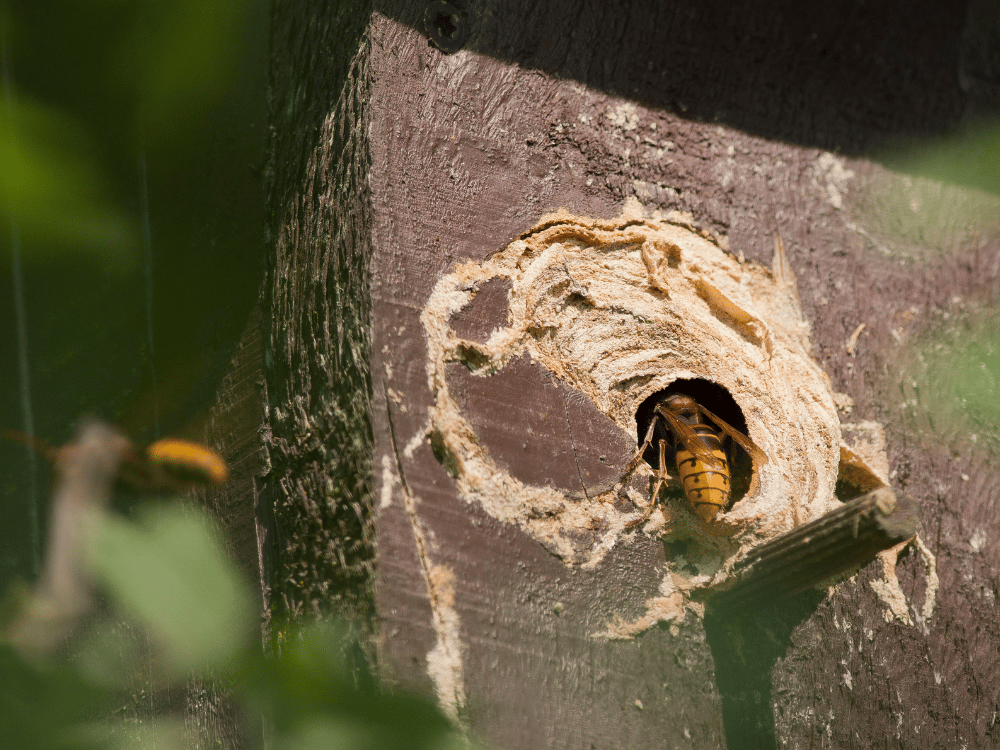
717,400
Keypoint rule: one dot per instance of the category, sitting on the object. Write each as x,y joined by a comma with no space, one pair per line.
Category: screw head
446,26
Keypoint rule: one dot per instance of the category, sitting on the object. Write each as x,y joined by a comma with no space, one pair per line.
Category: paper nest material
618,310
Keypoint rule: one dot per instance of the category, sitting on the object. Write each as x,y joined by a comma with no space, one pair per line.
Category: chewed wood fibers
617,310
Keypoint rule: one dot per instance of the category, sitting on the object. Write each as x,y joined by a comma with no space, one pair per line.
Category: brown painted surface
547,435
455,178
698,108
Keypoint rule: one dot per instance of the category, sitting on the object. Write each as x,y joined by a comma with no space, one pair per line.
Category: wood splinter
834,544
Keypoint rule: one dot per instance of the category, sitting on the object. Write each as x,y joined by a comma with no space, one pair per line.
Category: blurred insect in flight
166,465
698,440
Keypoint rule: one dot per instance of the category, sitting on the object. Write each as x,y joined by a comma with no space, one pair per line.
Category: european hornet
166,465
698,441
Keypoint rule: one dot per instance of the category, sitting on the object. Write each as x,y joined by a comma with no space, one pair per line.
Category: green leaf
53,187
970,158
170,573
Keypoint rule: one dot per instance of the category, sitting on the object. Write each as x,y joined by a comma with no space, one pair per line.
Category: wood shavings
891,594
852,341
844,402
618,310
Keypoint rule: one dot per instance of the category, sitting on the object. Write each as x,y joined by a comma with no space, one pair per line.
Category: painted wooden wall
392,161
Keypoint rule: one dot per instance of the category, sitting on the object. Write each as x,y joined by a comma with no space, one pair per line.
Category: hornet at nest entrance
703,448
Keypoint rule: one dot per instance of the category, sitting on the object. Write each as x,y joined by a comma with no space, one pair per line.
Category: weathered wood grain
699,108
831,545
316,355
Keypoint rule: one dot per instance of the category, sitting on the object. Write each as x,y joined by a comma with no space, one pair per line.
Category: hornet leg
637,456
661,478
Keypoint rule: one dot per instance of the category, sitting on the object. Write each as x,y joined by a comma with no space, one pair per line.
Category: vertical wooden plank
506,634
692,108
316,348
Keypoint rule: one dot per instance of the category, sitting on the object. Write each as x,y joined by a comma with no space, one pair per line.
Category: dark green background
166,104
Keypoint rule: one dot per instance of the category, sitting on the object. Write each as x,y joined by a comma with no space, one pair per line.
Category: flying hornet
166,465
703,450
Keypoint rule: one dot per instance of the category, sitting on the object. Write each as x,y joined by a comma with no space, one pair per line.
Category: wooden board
700,109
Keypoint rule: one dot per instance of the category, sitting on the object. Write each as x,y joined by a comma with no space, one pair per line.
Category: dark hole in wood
446,25
472,357
441,453
717,400
847,491
682,548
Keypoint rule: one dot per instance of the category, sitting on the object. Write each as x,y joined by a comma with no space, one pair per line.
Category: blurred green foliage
172,59
919,219
132,136
168,576
970,158
191,576
946,209
950,377
56,190
150,73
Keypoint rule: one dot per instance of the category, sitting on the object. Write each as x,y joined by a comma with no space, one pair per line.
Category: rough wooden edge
317,492
832,545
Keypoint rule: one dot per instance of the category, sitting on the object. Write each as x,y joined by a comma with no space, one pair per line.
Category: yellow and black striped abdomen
706,486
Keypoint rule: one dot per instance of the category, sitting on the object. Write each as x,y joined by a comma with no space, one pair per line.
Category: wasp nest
618,311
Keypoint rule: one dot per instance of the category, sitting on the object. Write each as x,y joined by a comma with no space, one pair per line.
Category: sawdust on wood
618,310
